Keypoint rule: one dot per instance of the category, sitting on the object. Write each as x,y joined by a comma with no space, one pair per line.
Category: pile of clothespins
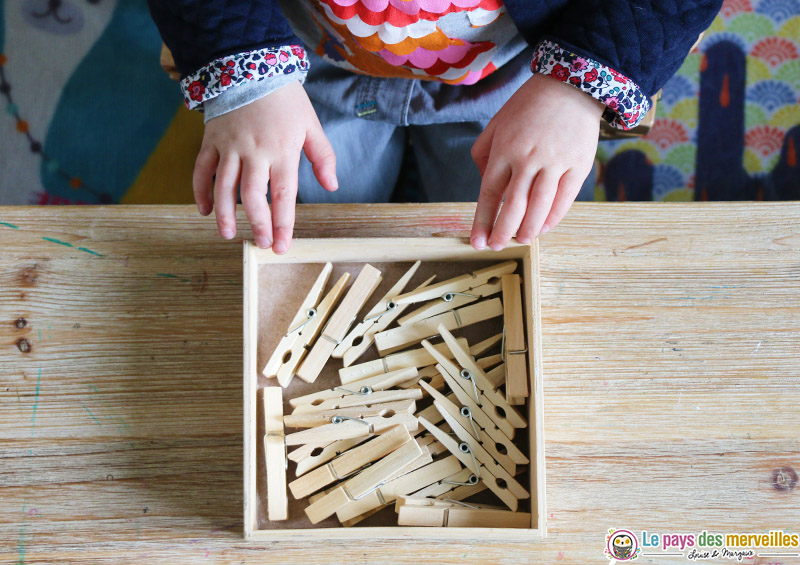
366,444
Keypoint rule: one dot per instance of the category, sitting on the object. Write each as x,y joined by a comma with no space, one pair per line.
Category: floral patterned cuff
626,103
228,72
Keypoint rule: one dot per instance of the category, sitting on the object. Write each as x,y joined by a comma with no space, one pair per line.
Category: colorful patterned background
90,117
727,125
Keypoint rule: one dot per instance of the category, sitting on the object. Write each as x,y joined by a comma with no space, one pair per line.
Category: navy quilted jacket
643,40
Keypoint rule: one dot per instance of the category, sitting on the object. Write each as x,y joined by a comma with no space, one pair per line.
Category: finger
322,157
225,194
283,189
203,177
255,179
492,186
568,189
481,148
513,210
540,202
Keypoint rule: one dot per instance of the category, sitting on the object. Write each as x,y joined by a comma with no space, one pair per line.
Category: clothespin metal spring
448,296
471,481
465,448
389,307
467,375
467,413
310,316
364,390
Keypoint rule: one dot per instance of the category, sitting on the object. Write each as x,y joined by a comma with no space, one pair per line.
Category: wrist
568,92
625,102
241,69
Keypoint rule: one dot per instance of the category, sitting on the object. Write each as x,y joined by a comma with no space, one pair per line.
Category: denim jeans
370,121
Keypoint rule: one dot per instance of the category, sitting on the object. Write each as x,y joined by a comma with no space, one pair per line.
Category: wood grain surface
671,337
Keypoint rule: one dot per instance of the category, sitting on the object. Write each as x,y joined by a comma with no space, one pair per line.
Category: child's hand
254,145
536,153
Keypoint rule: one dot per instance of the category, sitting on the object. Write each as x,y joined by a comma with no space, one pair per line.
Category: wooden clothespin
460,486
413,511
450,301
381,323
434,447
463,283
361,337
496,434
445,487
304,328
497,426
430,375
366,399
497,375
314,419
463,385
364,388
275,454
365,284
309,457
464,417
403,360
357,519
350,461
428,372
365,482
430,413
383,309
351,428
409,482
397,338
488,395
489,361
488,463
305,313
420,462
468,455
482,347
514,346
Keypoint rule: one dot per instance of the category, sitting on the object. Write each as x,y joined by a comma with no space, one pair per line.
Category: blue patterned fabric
199,31
645,40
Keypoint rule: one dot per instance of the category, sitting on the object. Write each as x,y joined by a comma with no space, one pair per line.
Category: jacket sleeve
620,52
221,44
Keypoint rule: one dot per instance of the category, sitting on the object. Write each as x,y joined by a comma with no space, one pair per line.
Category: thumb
320,153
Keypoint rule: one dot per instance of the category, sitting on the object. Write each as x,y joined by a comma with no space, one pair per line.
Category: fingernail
496,246
523,240
479,242
201,209
263,242
334,183
279,247
226,233
544,230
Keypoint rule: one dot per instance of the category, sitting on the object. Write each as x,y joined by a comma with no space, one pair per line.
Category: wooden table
672,397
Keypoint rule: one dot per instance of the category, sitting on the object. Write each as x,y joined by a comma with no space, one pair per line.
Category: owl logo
621,545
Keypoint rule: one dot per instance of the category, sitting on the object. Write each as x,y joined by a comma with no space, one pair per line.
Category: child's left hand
536,153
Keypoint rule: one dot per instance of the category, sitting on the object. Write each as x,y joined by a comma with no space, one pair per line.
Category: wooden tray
274,286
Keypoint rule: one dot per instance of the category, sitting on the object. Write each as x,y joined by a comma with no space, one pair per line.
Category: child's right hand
252,146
